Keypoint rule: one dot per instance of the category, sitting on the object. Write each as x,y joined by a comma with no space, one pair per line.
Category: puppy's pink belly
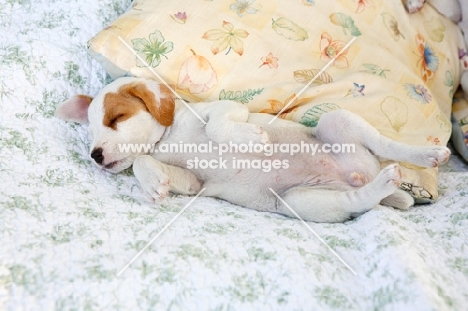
330,179
278,180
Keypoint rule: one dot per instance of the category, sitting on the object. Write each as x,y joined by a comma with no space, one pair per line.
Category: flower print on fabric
270,60
330,48
429,61
243,7
356,90
180,17
418,93
363,4
153,48
226,38
196,74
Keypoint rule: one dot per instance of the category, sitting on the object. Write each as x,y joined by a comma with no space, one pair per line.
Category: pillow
399,73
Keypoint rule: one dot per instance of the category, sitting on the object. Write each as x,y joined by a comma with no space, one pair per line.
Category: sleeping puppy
320,187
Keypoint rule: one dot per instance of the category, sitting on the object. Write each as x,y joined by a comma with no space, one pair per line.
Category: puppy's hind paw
389,178
441,156
434,156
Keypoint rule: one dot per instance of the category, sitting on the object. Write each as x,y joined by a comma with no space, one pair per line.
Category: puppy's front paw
153,181
414,6
156,188
246,132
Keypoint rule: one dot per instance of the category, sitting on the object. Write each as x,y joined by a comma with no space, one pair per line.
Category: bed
68,228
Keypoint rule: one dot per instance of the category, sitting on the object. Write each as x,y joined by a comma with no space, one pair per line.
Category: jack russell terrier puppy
325,187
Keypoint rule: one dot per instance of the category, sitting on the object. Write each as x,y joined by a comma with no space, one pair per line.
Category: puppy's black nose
96,154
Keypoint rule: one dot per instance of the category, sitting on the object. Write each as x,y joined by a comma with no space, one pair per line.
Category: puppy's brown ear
158,100
74,109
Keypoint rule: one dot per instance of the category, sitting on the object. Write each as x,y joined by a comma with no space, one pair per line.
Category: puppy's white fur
323,188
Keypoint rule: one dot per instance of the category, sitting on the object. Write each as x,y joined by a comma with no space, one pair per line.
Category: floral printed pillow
398,71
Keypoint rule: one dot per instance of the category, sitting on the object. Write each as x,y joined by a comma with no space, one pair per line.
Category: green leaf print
312,116
288,29
346,22
240,96
375,70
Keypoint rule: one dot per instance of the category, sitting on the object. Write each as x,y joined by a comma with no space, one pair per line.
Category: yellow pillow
399,73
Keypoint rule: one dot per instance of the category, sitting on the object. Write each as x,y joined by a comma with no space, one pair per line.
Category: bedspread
67,228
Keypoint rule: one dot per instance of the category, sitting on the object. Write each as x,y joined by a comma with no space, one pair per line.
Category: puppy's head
126,116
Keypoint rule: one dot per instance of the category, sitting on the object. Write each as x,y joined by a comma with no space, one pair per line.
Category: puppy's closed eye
117,118
114,120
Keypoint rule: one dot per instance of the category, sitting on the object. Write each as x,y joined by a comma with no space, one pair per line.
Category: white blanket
67,228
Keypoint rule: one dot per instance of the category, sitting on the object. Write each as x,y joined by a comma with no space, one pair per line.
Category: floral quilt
68,228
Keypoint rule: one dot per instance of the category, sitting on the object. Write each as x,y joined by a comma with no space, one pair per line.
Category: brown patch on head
166,106
120,106
131,98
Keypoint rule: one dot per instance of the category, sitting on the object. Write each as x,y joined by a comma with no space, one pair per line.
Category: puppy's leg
341,126
157,178
227,121
337,206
